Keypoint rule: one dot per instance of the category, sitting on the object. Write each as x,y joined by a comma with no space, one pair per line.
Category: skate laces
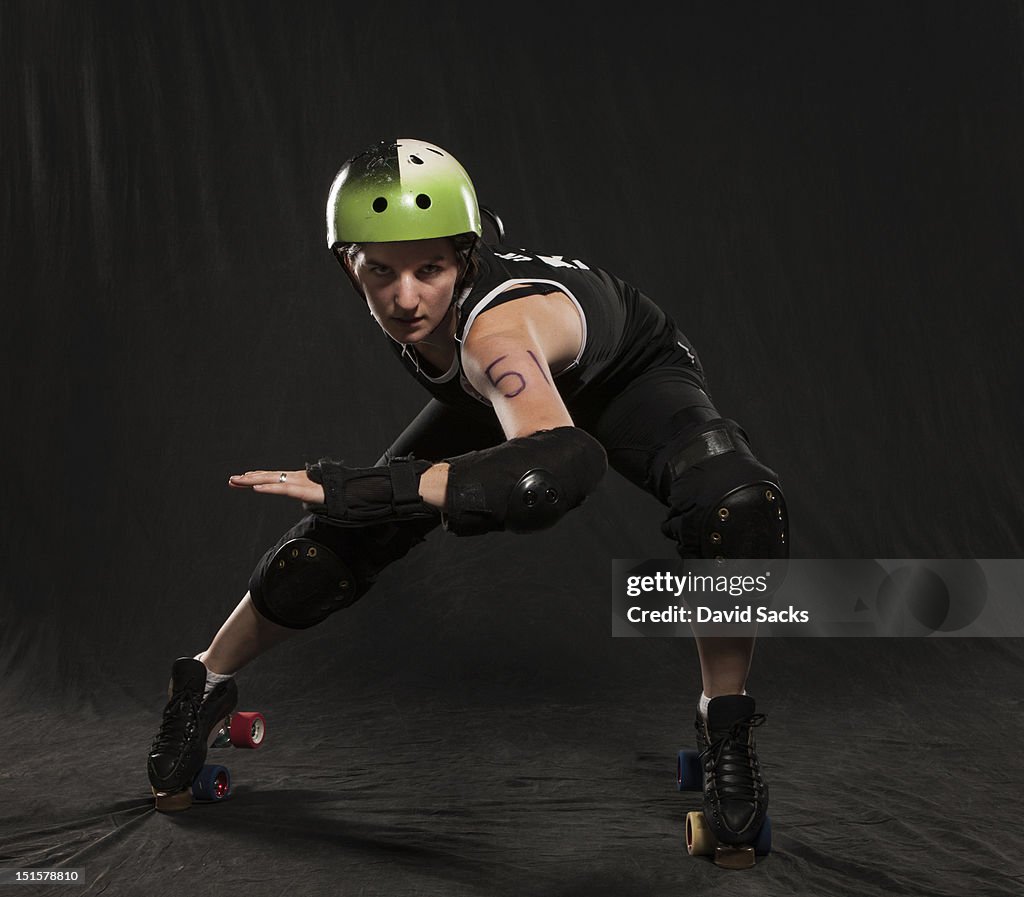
180,721
732,763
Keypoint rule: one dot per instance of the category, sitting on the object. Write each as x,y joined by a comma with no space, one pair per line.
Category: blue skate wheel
213,783
689,775
763,842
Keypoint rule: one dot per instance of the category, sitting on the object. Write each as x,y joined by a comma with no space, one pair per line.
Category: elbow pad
525,484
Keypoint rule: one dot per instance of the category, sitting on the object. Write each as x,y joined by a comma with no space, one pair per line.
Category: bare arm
509,355
508,358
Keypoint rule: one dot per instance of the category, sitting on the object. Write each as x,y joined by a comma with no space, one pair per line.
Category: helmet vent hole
380,204
430,149
416,160
423,201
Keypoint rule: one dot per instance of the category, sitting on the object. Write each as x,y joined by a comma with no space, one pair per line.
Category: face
408,285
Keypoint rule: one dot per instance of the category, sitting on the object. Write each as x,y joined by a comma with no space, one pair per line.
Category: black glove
363,495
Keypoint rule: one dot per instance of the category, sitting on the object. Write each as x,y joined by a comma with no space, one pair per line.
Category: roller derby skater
543,370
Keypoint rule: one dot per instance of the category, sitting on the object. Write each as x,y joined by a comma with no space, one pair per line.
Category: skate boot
735,794
179,749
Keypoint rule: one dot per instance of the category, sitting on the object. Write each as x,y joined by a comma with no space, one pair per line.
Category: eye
430,269
380,270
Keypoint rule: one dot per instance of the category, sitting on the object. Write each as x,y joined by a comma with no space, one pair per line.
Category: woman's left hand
293,483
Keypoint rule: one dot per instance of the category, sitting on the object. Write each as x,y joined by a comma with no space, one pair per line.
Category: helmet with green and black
401,189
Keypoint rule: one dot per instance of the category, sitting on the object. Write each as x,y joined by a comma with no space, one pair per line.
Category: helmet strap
464,278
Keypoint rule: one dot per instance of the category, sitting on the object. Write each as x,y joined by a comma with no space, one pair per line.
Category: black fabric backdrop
828,199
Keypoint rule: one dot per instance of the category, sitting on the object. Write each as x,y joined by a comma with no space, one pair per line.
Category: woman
543,370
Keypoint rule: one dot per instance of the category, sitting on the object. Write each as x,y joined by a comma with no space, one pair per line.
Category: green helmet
401,190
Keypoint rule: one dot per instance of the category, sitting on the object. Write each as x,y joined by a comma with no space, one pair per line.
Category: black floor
894,768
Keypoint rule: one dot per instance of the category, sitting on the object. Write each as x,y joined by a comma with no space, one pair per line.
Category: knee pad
317,569
302,583
748,522
723,502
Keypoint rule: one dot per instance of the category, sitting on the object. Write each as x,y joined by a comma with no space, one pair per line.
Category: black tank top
624,332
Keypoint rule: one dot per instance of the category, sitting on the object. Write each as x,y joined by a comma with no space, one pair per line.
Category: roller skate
733,827
177,770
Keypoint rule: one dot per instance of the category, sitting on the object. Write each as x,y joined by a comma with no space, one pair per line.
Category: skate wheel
689,775
173,803
700,840
213,783
763,842
247,729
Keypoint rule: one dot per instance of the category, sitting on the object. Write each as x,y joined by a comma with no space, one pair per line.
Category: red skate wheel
213,783
247,729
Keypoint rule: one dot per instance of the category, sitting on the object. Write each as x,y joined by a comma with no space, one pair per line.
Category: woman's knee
317,568
723,502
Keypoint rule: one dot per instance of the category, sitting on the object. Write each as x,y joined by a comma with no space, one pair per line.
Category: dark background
828,199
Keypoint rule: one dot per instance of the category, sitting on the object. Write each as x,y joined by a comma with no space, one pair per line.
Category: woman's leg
663,433
653,433
315,569
724,663
243,637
